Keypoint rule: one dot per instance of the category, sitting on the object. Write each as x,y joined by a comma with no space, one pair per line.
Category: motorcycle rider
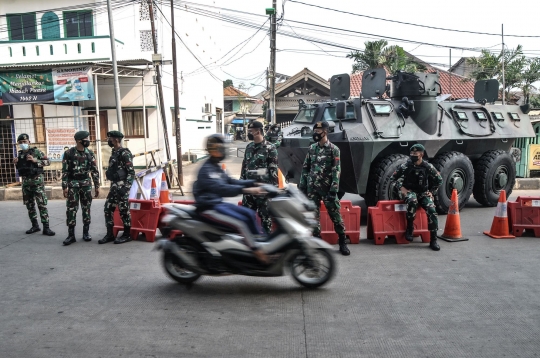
213,184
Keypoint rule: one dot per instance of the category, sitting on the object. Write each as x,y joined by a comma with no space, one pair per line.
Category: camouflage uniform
33,188
274,135
320,181
76,166
420,180
119,190
261,155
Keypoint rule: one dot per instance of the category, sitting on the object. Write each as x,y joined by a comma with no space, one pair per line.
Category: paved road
479,298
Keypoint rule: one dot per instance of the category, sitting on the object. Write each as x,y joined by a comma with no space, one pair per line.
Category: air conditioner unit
208,108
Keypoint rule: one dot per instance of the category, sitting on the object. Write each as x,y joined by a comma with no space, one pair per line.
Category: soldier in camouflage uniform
260,154
30,163
420,181
121,174
320,181
273,135
78,165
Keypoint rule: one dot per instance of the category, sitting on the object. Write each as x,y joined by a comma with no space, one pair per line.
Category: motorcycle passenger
213,184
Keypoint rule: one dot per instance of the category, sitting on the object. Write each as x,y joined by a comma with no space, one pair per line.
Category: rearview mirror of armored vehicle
340,87
341,110
486,91
373,83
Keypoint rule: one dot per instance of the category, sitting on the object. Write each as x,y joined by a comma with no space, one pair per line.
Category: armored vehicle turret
468,142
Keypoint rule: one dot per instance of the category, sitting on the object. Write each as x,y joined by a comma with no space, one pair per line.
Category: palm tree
377,54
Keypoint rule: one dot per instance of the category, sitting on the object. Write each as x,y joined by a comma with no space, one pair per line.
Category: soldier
273,135
30,163
320,181
260,154
121,174
420,182
77,163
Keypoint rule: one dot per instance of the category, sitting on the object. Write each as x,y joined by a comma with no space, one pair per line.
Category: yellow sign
534,156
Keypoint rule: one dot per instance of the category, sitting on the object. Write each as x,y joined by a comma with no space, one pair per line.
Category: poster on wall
58,141
534,156
66,84
73,84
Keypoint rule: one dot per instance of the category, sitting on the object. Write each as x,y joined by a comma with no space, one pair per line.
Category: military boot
109,237
433,243
47,231
35,227
86,236
71,236
409,232
126,237
343,246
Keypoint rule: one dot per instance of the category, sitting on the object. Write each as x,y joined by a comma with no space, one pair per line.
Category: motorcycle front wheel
174,269
313,272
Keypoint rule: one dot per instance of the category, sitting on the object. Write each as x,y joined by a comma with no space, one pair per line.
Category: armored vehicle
468,142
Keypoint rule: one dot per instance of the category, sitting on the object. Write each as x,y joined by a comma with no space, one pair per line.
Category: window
329,113
305,115
228,106
133,123
50,26
22,26
78,23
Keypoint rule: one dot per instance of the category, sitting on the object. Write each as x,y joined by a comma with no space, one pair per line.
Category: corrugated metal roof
134,62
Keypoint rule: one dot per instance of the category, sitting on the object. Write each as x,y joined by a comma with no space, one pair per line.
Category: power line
410,24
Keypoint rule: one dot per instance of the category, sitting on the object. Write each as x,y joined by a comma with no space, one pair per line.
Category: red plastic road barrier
524,214
388,219
351,219
144,219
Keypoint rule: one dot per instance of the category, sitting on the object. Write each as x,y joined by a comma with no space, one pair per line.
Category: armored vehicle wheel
380,186
457,173
493,172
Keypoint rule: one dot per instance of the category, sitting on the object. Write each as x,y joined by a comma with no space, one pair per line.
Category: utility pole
450,73
272,72
502,57
117,96
160,87
176,102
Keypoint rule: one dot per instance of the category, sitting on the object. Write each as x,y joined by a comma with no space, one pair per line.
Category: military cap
418,147
22,136
321,125
81,135
255,124
115,134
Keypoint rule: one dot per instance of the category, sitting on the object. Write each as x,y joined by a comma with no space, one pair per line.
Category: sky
247,64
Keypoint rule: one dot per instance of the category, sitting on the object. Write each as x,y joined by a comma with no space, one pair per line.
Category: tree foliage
377,54
227,83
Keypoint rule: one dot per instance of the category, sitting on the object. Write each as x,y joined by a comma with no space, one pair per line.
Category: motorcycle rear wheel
175,271
313,272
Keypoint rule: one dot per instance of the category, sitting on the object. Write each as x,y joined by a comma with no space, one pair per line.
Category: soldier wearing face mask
259,154
121,174
273,135
79,170
320,181
420,182
30,163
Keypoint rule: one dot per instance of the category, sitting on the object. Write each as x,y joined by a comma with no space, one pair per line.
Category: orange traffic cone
281,179
452,229
499,227
153,191
164,192
223,166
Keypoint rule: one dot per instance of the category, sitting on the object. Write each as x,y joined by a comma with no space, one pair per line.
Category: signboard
58,141
534,156
59,85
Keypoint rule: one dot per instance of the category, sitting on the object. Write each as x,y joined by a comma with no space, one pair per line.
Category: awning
241,120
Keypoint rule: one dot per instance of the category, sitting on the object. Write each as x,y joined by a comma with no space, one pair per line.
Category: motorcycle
208,248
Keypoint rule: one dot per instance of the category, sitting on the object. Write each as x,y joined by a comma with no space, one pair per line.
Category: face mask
317,137
414,158
110,143
85,143
24,146
250,136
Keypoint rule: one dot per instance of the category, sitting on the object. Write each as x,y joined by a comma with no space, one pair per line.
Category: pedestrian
259,154
320,181
420,181
30,163
274,135
79,170
121,174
